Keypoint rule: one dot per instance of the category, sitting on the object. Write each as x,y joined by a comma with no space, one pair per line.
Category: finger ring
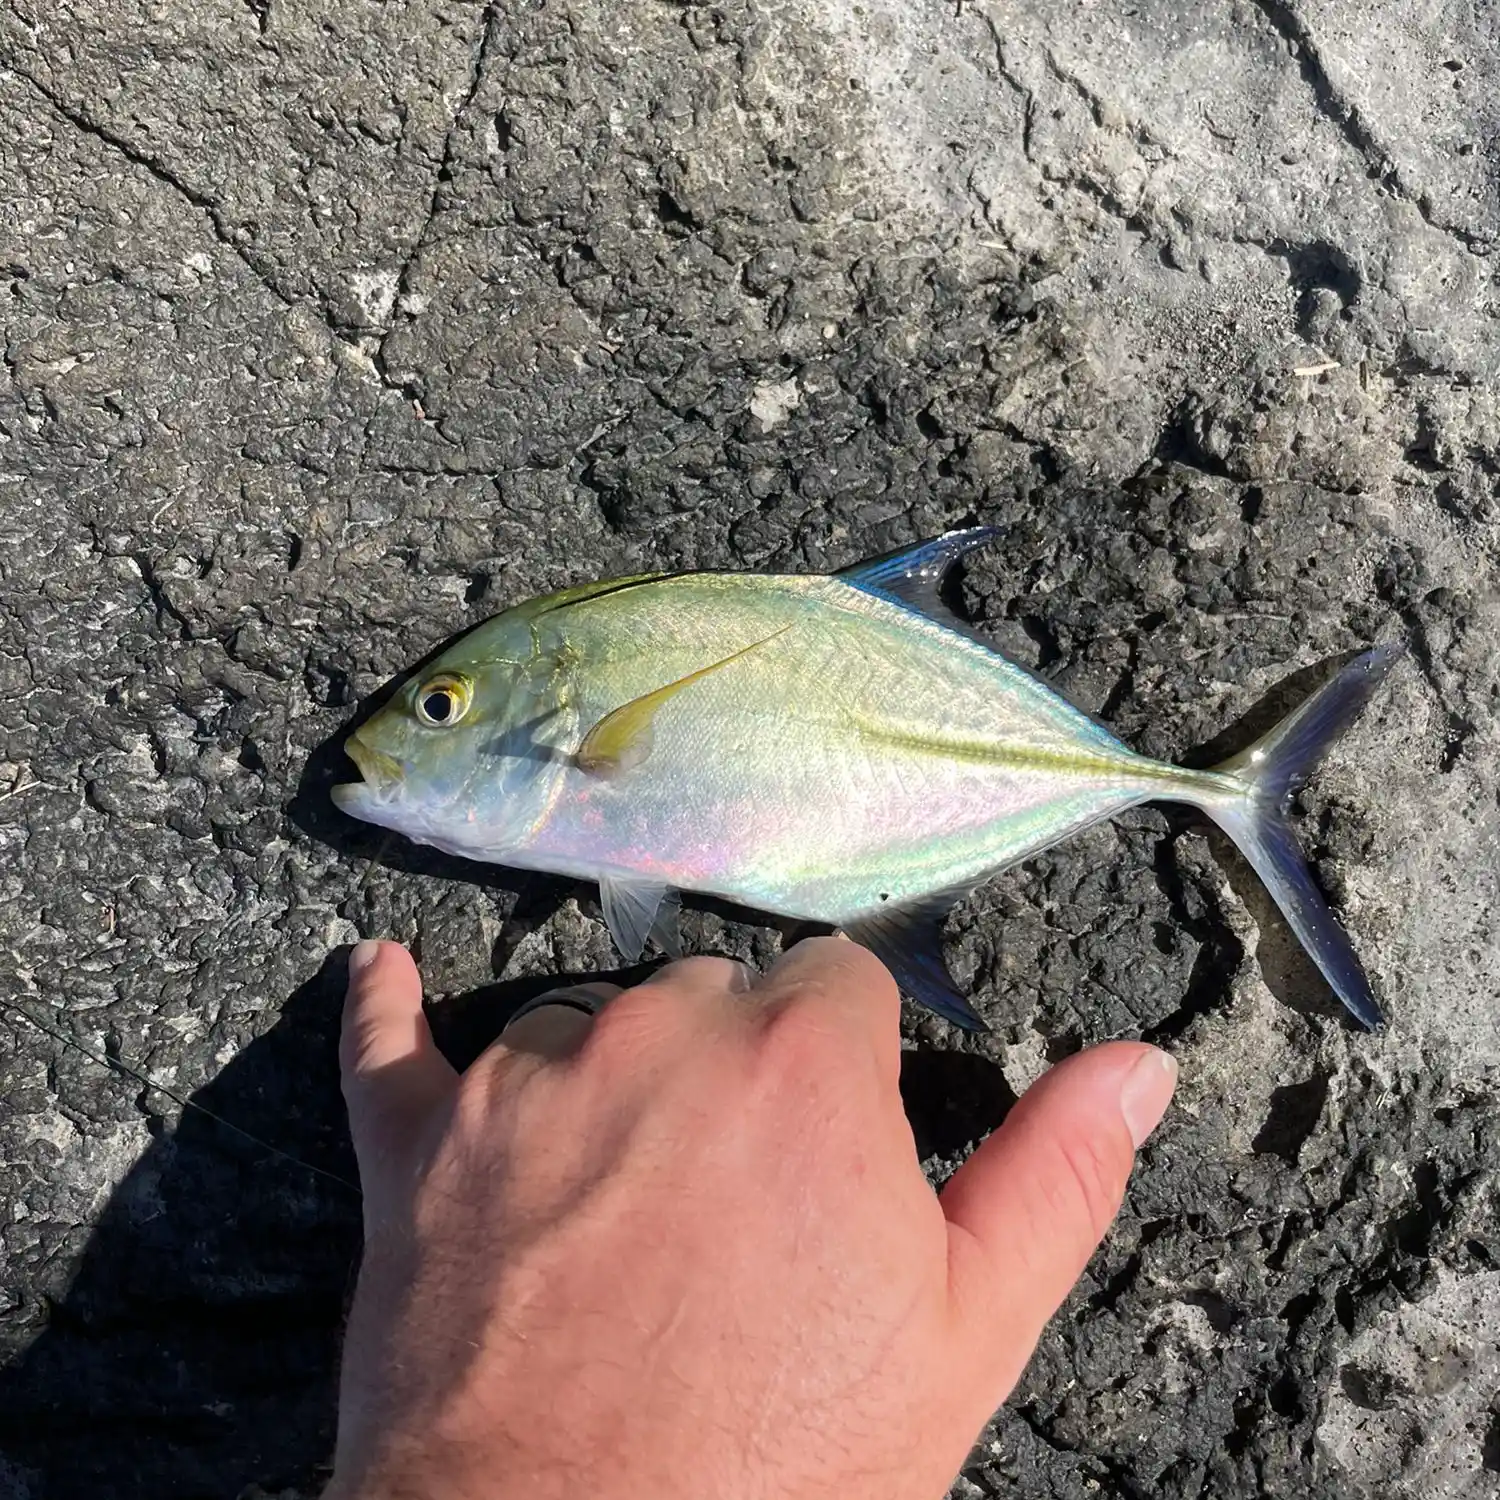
582,997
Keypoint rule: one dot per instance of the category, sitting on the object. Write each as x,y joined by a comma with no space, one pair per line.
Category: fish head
453,760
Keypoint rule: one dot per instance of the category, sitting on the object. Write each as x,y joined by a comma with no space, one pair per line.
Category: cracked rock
334,328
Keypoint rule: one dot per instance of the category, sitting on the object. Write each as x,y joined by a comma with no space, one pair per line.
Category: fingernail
362,955
1146,1091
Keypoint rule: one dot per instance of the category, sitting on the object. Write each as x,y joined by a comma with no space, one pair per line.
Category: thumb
1030,1207
393,1073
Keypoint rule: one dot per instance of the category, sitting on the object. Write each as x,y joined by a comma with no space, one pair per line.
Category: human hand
685,1247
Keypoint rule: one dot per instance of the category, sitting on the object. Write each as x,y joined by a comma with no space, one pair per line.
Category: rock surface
333,326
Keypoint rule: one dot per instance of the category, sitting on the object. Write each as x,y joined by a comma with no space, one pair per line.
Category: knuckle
860,969
633,1023
683,999
801,1037
703,972
842,964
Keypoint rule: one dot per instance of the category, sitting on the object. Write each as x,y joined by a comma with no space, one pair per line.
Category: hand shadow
952,1100
196,1351
195,1348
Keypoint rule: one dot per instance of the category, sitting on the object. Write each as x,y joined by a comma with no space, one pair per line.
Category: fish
832,747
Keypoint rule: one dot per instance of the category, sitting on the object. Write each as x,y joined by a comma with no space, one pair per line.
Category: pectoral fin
908,940
622,739
636,909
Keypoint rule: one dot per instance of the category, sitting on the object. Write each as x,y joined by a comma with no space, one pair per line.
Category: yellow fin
621,740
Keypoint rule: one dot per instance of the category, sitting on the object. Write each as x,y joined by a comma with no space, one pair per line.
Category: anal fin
908,940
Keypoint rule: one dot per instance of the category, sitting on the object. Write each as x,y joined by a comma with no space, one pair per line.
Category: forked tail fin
1272,770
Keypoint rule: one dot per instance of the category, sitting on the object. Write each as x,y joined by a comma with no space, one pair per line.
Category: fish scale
836,748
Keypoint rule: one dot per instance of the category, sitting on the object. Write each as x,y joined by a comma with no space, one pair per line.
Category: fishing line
386,839
119,1065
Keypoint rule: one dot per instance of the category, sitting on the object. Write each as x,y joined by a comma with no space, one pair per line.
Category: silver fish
836,748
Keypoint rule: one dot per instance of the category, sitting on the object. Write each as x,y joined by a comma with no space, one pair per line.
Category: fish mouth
383,775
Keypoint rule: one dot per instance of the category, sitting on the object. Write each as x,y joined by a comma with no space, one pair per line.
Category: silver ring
572,997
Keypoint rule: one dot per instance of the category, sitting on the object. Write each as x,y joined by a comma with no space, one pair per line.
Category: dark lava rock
332,328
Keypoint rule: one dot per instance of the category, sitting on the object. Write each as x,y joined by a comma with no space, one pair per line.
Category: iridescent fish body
835,748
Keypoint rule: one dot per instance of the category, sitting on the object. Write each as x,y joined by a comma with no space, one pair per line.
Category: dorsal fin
913,575
621,740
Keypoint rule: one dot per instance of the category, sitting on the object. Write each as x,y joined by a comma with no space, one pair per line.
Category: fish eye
444,699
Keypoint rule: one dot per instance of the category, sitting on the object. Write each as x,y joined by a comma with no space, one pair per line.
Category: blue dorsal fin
908,940
912,575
